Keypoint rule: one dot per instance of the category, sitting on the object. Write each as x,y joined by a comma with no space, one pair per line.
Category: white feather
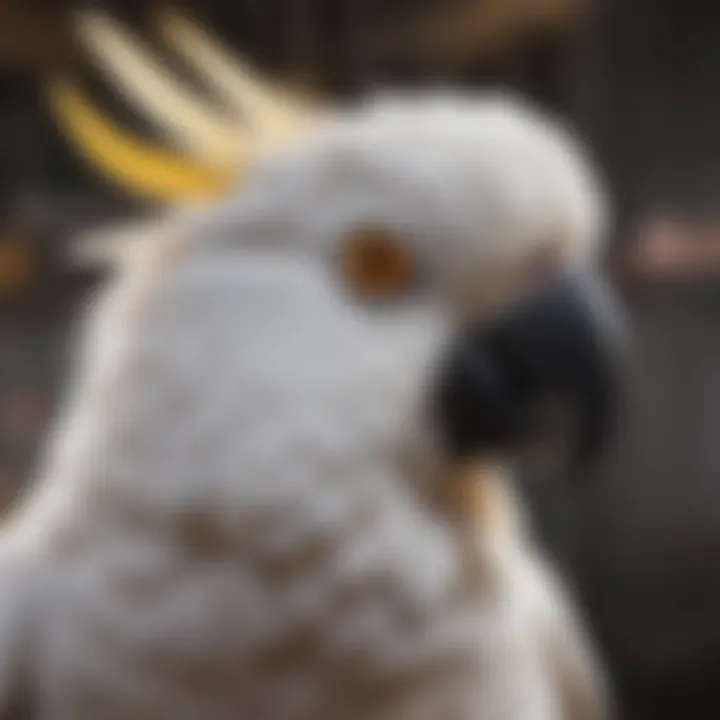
224,520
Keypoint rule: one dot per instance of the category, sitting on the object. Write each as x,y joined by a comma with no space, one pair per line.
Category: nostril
543,265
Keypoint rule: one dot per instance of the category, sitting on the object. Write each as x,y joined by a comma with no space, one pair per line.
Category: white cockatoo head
409,282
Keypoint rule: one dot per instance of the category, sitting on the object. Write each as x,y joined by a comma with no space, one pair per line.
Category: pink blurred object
674,248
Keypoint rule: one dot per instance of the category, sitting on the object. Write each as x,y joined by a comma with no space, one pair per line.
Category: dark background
641,81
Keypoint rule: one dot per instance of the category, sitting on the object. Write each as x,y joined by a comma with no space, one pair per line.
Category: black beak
548,370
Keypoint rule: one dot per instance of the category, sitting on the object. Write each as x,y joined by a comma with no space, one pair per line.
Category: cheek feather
479,494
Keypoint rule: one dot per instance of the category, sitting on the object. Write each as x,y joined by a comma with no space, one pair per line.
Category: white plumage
237,517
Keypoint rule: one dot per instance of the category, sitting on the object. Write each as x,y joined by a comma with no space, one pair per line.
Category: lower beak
547,370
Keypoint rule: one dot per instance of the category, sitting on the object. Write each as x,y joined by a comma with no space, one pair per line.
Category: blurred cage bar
641,81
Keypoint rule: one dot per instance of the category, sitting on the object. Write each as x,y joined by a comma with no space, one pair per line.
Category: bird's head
416,278
457,238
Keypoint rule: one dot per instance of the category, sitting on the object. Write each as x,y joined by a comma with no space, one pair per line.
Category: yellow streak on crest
136,166
142,79
273,113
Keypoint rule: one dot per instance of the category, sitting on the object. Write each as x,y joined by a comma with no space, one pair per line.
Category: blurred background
84,145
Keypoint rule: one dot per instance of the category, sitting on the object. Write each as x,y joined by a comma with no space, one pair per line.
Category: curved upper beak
548,370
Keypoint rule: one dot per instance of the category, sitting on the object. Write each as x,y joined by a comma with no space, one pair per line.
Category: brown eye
376,264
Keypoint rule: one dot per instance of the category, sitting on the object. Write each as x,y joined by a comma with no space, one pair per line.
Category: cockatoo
280,487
